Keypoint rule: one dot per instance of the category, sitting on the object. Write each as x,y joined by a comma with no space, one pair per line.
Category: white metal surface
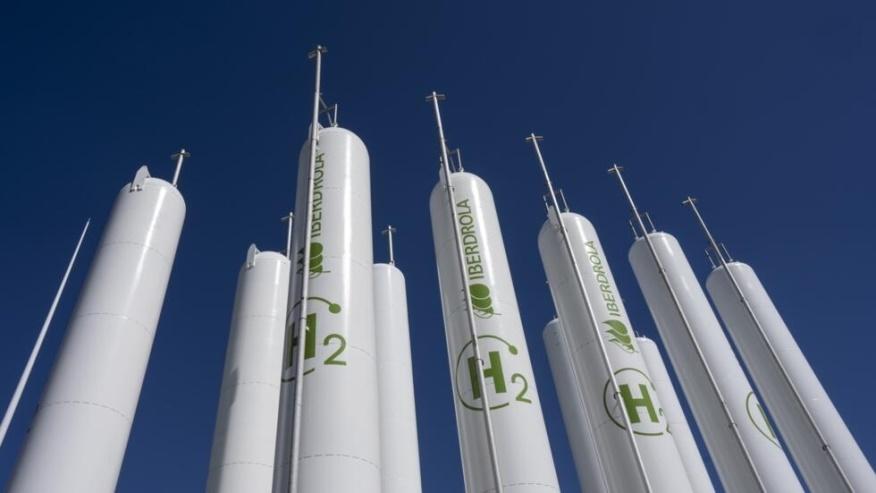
25,374
78,437
340,442
574,409
663,463
773,467
678,425
524,454
794,428
399,450
246,424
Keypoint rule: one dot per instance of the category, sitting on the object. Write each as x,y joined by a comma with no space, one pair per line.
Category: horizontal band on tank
47,405
138,245
145,327
241,463
343,456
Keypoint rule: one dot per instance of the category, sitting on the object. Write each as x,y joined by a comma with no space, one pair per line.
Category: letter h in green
632,404
494,371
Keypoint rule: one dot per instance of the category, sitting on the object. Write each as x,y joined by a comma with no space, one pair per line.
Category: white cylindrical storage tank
78,437
661,459
678,425
773,467
524,454
572,405
814,463
399,450
246,423
340,426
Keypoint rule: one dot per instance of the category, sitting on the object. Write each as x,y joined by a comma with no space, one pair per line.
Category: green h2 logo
336,343
759,419
640,400
499,354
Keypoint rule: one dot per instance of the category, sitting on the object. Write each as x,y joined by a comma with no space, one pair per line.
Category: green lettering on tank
479,292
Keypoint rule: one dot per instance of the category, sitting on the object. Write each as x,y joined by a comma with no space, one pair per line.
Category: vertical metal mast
591,314
451,202
300,331
25,375
616,170
290,218
180,157
690,201
388,232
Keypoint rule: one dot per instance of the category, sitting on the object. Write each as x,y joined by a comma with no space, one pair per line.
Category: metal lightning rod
25,375
434,98
640,463
180,157
282,482
690,201
637,217
388,232
290,218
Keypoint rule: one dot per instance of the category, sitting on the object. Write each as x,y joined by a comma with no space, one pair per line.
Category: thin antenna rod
25,375
463,274
180,157
690,201
290,218
300,327
388,232
713,383
640,463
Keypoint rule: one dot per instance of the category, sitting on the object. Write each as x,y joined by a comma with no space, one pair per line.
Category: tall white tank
340,422
574,409
678,425
773,467
246,423
78,437
662,461
814,463
524,454
399,449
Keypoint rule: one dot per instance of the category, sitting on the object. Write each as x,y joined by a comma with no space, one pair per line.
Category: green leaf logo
480,300
620,335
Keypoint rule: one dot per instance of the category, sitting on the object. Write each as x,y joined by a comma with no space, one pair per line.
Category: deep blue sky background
764,110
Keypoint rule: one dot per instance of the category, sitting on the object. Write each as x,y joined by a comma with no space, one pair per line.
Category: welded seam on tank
167,260
527,483
345,456
87,403
241,463
251,382
142,325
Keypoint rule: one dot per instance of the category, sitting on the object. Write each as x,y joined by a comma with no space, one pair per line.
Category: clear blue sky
764,110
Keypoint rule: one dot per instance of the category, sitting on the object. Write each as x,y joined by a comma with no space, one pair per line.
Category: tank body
800,438
662,461
678,425
78,438
574,409
773,466
340,427
399,449
246,422
524,454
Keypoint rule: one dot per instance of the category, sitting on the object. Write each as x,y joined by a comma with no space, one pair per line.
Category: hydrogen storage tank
678,425
753,427
574,410
524,454
662,462
399,450
340,423
246,422
78,437
813,462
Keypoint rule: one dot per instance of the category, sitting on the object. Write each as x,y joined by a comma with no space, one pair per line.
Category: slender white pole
769,345
290,218
472,327
640,463
388,232
180,157
731,423
305,278
25,375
